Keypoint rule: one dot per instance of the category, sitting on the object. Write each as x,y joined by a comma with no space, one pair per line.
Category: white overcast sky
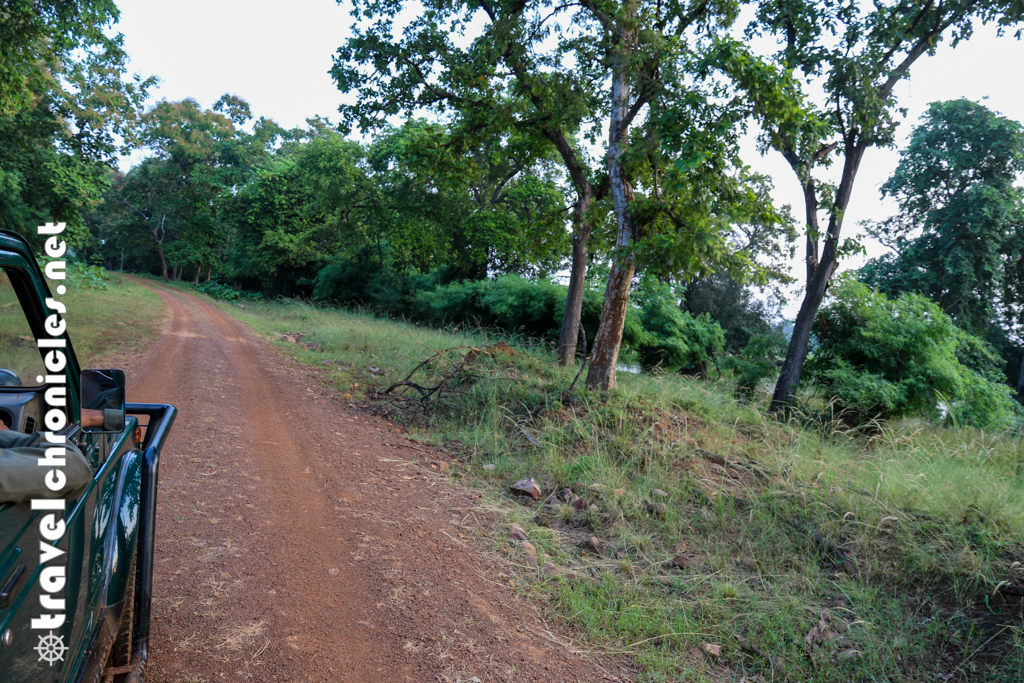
277,54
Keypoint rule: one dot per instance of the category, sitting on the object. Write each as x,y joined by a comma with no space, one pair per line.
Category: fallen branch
458,367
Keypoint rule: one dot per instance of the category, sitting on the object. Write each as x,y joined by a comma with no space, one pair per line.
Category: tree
414,200
198,155
38,36
957,236
493,206
860,54
677,185
66,111
540,68
124,241
505,82
286,212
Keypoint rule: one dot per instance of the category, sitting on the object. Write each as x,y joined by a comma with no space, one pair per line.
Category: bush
672,339
660,333
83,275
218,290
886,358
363,281
760,360
509,302
534,308
733,306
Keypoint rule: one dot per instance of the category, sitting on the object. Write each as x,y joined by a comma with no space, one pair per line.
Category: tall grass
893,541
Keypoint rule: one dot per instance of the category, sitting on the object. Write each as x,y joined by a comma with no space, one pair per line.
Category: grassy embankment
812,554
103,324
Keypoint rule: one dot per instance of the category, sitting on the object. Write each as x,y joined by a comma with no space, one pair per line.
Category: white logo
51,648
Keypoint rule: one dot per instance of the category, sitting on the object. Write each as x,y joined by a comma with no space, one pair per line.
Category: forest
525,287
571,174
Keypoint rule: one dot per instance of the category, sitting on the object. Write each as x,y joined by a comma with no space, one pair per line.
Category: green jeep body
109,533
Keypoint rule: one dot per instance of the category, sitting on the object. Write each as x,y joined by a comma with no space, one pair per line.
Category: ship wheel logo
51,648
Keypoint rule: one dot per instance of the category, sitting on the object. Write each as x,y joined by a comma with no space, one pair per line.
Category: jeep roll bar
161,418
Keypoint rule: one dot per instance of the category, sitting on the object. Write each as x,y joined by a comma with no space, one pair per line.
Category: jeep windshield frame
30,287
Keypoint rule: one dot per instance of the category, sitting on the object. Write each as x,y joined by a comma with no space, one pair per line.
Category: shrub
881,357
760,360
660,333
534,308
672,339
509,302
363,280
84,275
219,290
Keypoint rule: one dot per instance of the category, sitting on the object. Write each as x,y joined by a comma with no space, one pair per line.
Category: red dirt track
297,540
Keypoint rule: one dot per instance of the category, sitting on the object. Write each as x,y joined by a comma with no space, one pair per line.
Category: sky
277,56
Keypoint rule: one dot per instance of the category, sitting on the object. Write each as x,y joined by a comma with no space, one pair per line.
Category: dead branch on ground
462,367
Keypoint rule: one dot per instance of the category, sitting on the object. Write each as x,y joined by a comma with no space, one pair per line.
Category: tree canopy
506,144
67,109
960,227
859,53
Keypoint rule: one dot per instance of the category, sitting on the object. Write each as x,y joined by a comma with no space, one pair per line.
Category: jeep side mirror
102,401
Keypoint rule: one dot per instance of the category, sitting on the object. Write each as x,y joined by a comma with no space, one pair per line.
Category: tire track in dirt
295,541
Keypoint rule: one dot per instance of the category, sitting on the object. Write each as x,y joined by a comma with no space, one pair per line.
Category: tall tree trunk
582,229
1020,379
854,147
799,343
605,355
163,262
209,269
811,210
199,271
604,358
122,260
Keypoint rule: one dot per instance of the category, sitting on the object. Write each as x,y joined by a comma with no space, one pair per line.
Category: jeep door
20,538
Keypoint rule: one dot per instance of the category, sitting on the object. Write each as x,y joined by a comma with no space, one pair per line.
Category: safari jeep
75,572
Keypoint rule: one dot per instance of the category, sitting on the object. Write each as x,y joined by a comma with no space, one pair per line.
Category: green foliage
959,235
886,358
363,279
759,361
659,332
981,357
411,202
732,306
672,339
285,229
223,292
36,36
174,199
66,111
509,302
512,303
477,207
84,275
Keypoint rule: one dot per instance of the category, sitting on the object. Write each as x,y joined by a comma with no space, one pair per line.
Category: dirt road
296,542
